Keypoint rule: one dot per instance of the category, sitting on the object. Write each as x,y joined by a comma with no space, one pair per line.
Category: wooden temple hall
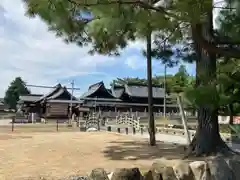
125,98
98,98
55,104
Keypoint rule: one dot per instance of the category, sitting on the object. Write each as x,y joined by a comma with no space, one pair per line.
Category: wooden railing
129,120
93,121
169,115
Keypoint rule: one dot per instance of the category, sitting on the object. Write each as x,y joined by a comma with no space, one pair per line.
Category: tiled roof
134,90
94,88
53,91
56,94
117,91
64,101
142,91
96,85
30,98
59,93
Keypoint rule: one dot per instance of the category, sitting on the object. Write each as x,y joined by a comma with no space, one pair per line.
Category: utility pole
165,99
95,104
48,87
70,110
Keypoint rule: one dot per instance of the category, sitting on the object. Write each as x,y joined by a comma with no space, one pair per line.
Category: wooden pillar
99,110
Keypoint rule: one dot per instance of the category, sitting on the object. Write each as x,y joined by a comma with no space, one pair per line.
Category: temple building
55,104
98,98
3,107
128,97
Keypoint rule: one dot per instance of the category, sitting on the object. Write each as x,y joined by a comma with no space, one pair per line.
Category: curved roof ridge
117,91
53,91
55,95
127,90
95,87
98,84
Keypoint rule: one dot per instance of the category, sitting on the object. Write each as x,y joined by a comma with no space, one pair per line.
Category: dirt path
64,154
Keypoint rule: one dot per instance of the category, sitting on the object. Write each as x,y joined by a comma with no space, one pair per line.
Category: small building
2,105
27,103
55,104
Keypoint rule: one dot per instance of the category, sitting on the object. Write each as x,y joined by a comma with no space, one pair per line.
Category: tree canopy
181,30
16,88
111,28
176,83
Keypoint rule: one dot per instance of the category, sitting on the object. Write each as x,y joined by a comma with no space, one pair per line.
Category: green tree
189,23
180,80
129,80
229,86
17,87
159,80
228,68
172,81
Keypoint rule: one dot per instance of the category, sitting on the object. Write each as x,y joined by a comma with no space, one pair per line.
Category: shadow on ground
141,150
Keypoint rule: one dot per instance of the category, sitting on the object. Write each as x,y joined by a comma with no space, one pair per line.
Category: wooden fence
169,115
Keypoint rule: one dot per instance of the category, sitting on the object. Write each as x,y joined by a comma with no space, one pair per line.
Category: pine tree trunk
207,140
150,94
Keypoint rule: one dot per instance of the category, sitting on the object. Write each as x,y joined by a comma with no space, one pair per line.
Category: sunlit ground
62,154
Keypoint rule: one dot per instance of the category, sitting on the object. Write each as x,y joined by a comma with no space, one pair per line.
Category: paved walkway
5,121
178,139
168,138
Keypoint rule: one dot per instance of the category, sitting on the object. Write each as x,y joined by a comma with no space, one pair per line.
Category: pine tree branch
212,47
167,36
217,45
228,8
224,40
139,3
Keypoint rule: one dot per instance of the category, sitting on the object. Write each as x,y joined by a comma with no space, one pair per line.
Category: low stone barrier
170,131
216,168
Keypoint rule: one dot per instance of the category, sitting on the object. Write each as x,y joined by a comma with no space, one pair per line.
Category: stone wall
216,168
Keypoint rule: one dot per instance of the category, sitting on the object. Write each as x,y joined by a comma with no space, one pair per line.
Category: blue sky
29,50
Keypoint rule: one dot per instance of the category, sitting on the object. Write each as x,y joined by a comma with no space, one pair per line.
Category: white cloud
138,45
29,50
135,62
